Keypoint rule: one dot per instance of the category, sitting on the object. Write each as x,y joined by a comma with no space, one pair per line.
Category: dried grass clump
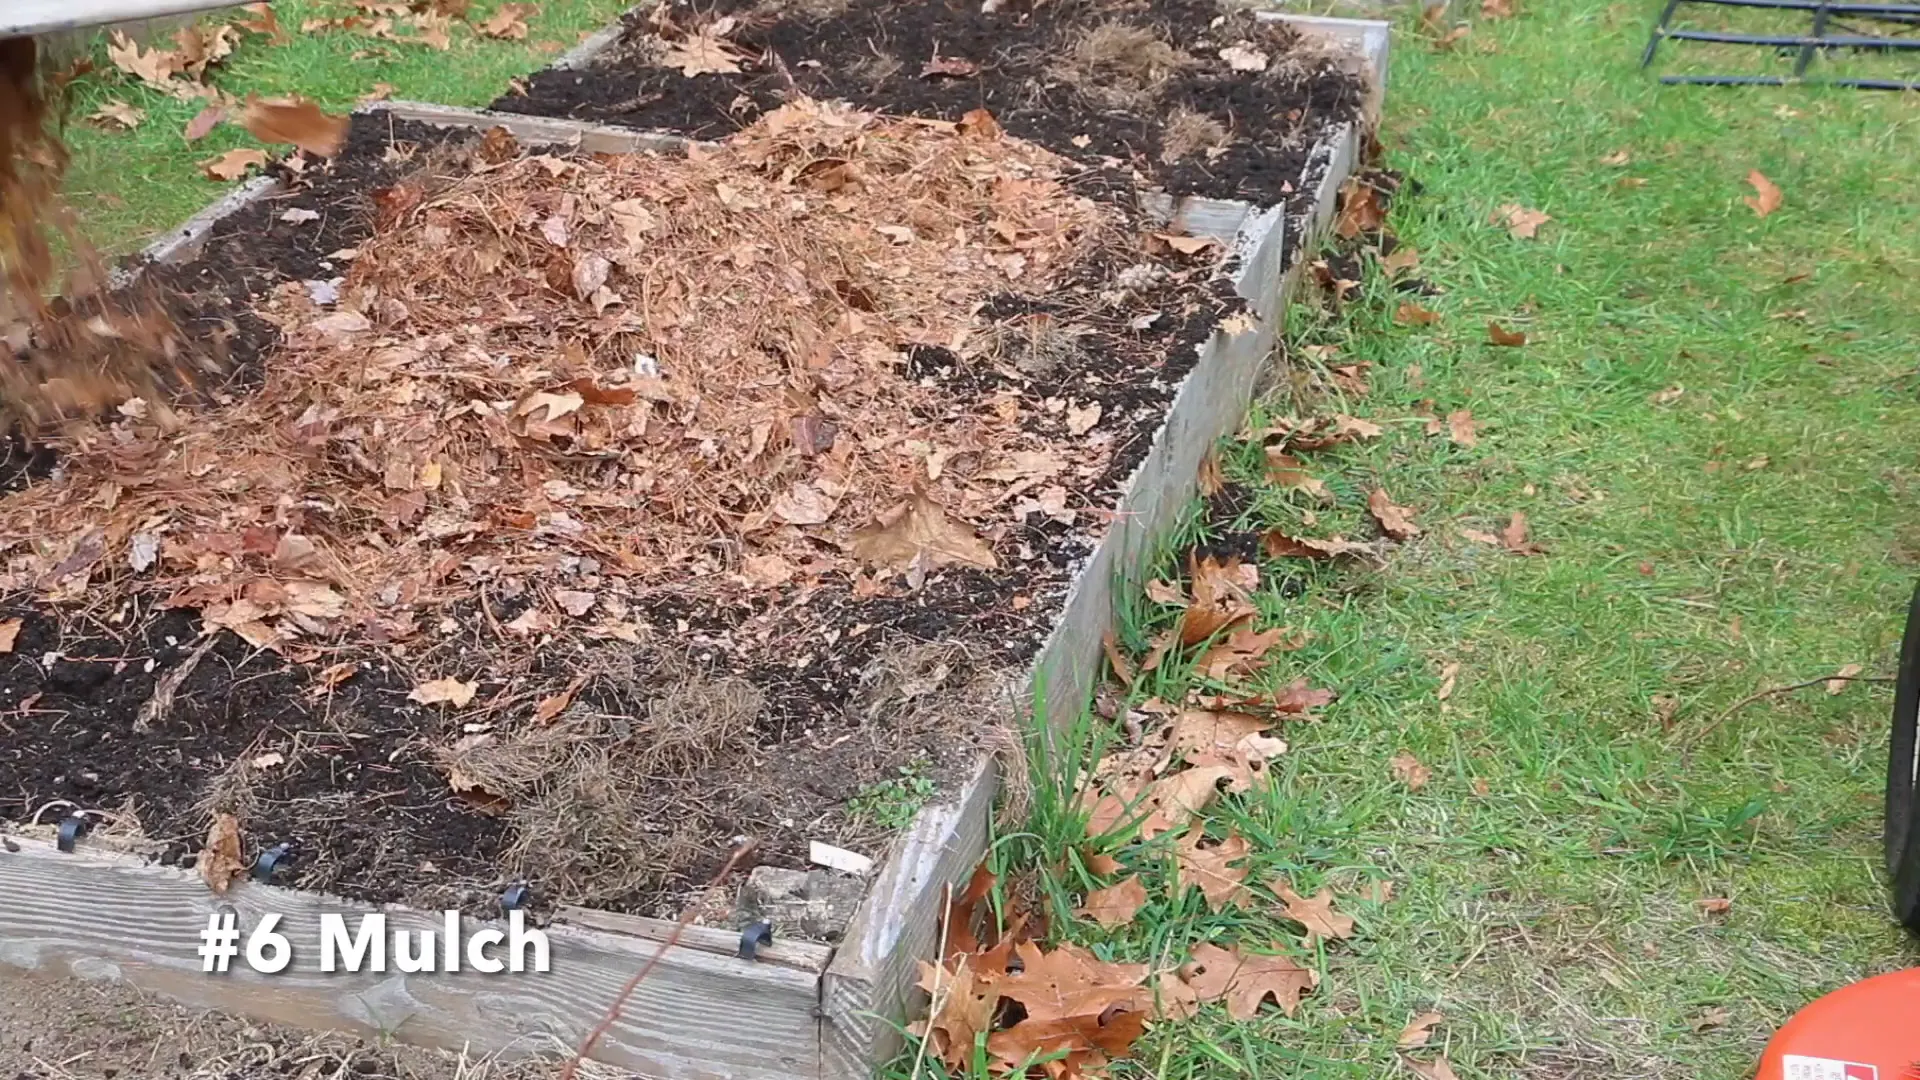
1119,62
684,373
1188,132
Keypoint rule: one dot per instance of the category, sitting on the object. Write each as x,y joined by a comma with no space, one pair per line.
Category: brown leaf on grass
1246,980
949,67
1496,9
261,20
1412,314
9,634
1408,770
1617,159
1714,905
201,46
919,533
1446,42
1068,982
1222,597
1843,678
1352,427
509,22
1115,905
1244,652
297,121
1208,867
1172,801
551,707
220,860
1715,1017
1279,545
1299,696
448,691
1211,481
962,1007
1395,521
1500,335
155,67
1360,210
232,165
204,122
1766,197
1514,536
1211,735
1316,914
1352,378
1289,474
1419,1030
1437,1069
1668,396
1100,864
117,113
1521,223
432,29
1403,260
1461,429
1116,659
1448,673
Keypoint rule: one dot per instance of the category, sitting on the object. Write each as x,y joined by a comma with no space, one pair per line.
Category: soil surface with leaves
535,541
1173,93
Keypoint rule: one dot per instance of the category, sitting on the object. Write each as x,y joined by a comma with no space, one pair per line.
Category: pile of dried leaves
674,371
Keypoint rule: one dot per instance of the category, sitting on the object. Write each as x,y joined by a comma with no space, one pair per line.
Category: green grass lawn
1712,430
129,185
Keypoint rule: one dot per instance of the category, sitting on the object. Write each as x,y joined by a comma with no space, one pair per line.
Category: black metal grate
1834,26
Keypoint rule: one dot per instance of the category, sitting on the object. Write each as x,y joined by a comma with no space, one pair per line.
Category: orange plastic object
1867,1031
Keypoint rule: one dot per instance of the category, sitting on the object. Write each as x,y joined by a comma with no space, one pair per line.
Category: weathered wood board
703,1014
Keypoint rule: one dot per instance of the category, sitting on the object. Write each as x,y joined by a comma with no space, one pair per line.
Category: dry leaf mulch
486,412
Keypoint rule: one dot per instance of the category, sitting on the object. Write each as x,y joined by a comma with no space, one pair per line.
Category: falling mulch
568,515
1186,95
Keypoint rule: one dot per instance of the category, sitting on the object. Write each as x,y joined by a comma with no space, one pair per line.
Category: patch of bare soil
570,515
1185,94
65,1029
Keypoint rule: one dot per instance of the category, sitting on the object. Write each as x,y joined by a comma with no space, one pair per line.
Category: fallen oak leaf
1840,681
1514,536
1208,867
1408,770
1766,197
1277,544
509,22
155,67
1299,696
962,1006
551,707
1521,223
1501,336
449,691
701,54
119,114
1115,905
919,532
1461,428
233,164
204,122
220,860
1437,1069
1449,672
9,634
1403,260
1419,1030
1412,314
297,121
1317,914
1246,980
1395,521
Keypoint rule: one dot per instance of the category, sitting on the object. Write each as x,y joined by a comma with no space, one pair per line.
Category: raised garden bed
1056,391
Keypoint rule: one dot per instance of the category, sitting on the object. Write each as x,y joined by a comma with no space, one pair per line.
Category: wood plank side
533,130
804,956
874,973
698,1016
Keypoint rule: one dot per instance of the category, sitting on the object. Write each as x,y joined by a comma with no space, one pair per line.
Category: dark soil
355,776
1040,75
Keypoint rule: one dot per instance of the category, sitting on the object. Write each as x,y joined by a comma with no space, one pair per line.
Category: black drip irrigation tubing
1818,41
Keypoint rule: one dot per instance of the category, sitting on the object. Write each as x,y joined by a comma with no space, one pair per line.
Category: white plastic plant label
1797,1067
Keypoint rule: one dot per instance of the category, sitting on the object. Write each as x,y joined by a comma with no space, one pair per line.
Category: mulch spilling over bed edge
1181,94
330,755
